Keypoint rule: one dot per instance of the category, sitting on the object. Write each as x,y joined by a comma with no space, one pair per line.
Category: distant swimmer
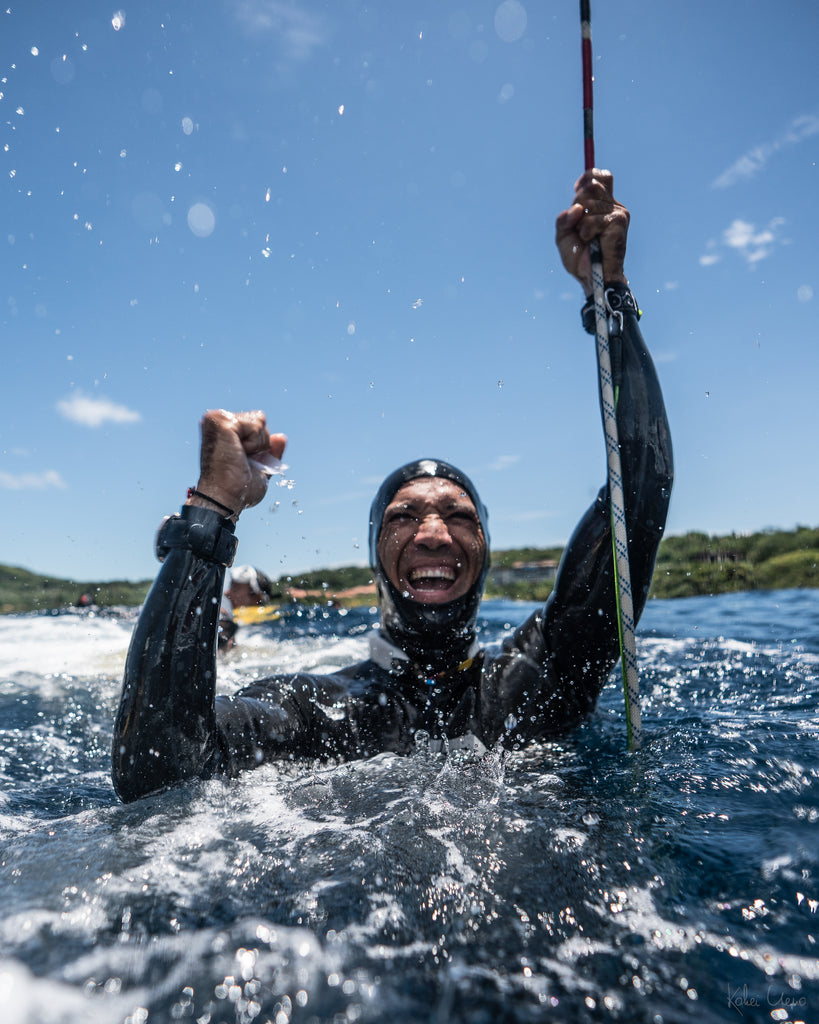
249,587
427,679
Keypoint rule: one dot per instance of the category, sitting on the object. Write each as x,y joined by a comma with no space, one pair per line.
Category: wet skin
431,543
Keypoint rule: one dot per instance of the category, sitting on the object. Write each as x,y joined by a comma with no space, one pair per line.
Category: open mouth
431,579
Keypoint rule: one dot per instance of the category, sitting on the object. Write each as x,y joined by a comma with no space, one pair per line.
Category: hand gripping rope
608,405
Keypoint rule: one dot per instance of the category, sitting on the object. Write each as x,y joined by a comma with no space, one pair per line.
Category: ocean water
570,881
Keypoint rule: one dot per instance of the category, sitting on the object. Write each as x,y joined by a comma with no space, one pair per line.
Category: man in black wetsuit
429,552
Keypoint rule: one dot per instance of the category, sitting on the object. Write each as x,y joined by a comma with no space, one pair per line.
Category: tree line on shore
688,565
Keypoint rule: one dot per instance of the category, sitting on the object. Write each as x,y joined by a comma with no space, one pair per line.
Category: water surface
570,881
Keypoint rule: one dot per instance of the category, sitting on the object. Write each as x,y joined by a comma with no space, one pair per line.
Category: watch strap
203,531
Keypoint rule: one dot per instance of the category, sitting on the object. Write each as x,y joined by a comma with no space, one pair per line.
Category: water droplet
201,220
422,741
510,21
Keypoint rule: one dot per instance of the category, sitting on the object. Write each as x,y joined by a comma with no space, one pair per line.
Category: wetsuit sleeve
165,730
171,726
551,671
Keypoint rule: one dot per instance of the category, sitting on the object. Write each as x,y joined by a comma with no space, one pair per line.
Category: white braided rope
622,572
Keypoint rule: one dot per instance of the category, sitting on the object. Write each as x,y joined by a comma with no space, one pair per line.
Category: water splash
564,881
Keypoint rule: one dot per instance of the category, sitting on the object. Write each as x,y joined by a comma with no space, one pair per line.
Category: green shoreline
688,565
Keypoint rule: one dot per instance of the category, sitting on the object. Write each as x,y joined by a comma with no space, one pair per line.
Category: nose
432,532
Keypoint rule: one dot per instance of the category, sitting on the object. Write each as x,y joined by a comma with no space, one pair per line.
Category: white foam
63,644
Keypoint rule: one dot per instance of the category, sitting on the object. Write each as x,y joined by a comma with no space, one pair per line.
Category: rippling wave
569,881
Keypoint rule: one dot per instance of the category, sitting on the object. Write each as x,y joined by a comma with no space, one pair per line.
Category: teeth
431,574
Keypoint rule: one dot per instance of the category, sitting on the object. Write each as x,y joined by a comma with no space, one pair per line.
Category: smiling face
431,544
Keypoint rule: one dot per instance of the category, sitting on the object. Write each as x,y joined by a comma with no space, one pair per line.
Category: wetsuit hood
435,636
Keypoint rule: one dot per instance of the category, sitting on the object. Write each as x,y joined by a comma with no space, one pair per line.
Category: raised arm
553,668
165,730
579,622
584,594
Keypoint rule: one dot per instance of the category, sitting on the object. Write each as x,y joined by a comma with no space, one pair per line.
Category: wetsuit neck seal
433,636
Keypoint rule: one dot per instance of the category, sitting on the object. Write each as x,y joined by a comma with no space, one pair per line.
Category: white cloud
801,128
93,412
502,462
752,244
31,481
747,240
299,31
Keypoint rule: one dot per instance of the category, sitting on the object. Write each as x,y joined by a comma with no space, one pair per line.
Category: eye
463,516
400,515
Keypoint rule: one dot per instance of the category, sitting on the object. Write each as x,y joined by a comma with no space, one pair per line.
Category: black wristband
618,300
200,530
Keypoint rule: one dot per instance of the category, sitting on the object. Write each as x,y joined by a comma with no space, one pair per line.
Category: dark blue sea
570,882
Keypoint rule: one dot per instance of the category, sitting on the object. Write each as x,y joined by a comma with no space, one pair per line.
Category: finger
591,226
604,179
278,442
217,432
215,421
595,175
602,218
252,431
597,202
567,220
596,199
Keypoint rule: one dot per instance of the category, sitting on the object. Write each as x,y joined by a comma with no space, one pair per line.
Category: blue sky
342,213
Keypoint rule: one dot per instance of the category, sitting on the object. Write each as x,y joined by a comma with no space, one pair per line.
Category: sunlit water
567,882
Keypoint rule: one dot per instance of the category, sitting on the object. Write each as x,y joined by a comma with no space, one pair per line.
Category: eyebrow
454,505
